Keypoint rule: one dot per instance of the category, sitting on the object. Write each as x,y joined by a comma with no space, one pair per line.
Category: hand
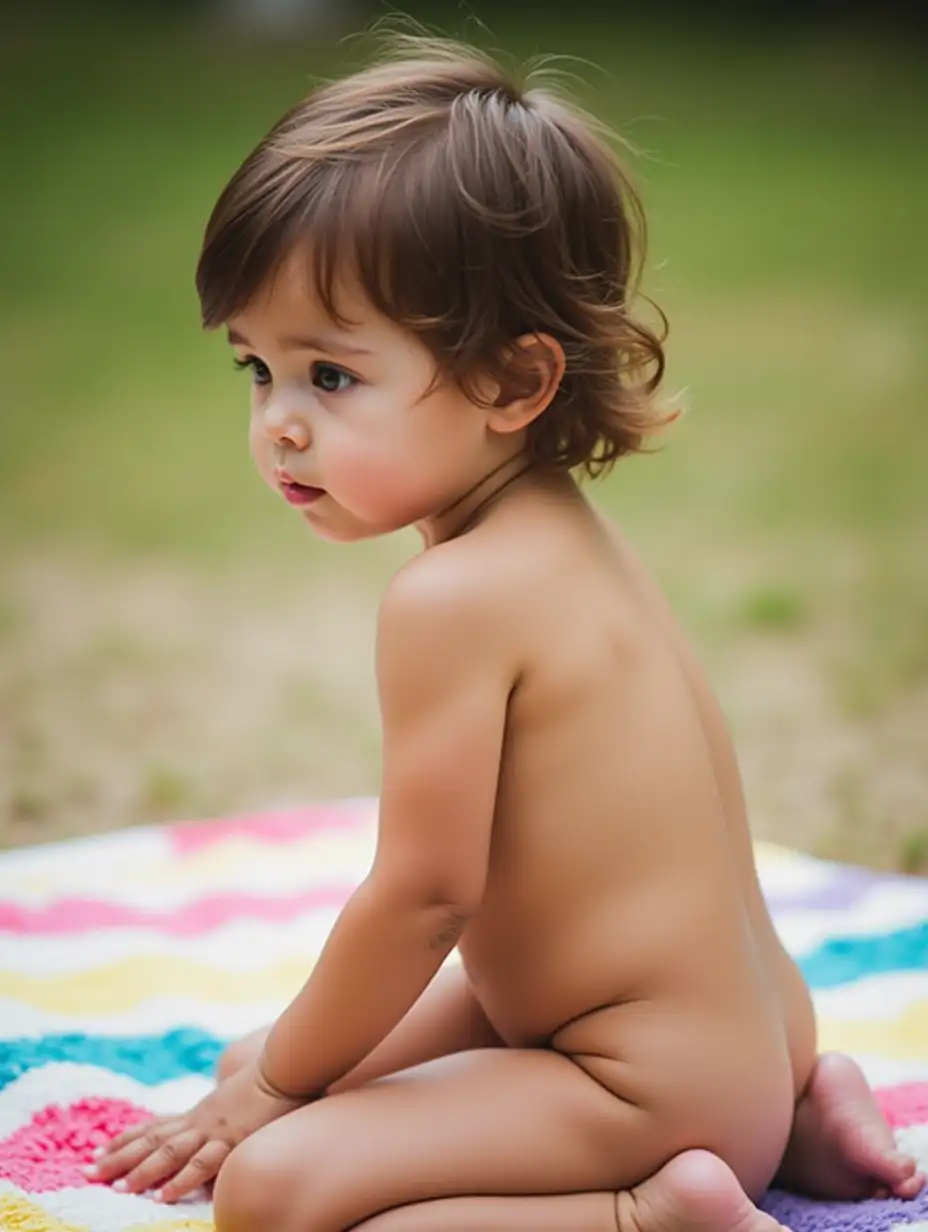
183,1152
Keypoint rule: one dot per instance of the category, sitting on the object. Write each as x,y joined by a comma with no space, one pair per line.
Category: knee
275,1181
255,1188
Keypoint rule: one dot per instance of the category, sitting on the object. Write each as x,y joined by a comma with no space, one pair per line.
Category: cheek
364,466
372,474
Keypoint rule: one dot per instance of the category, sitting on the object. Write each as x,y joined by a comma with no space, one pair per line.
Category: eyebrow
304,342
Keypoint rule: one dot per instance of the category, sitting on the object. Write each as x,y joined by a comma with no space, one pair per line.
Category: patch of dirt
146,694
818,778
138,695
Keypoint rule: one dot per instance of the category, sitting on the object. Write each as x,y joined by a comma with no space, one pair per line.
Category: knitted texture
128,961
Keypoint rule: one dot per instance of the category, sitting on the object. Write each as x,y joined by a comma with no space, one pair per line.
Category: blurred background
173,643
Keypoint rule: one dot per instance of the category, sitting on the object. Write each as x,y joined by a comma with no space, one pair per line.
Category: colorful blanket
126,961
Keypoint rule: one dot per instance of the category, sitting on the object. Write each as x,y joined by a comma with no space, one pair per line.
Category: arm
443,691
446,1019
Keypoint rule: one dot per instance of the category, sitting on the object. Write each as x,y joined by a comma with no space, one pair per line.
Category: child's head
469,252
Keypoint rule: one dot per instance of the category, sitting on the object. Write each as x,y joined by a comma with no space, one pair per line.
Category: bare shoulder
455,584
449,603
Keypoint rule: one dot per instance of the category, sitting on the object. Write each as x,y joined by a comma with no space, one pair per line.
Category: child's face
342,423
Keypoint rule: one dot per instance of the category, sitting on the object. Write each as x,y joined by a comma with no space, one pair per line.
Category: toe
875,1155
910,1187
905,1165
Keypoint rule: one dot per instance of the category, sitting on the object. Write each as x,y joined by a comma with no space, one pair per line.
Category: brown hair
472,212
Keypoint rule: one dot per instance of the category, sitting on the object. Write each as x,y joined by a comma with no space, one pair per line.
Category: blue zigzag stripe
146,1058
842,960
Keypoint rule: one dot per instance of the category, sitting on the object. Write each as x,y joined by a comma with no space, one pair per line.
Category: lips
299,493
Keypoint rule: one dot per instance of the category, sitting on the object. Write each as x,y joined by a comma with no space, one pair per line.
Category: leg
511,1130
841,1146
695,1192
447,1018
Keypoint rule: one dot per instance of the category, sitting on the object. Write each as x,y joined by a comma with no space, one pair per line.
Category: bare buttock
695,1075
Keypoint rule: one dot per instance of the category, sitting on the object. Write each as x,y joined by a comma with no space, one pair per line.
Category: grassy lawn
172,643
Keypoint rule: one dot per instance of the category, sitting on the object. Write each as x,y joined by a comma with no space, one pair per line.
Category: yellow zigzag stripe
334,852
772,855
129,982
904,1038
20,1215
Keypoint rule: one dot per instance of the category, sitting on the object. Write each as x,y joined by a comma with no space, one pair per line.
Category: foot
841,1146
695,1192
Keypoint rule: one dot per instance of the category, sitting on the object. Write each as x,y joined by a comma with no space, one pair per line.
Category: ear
534,371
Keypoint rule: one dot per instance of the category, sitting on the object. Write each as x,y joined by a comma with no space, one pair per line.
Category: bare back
622,906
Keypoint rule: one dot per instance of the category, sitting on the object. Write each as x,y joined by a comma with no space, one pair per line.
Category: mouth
299,493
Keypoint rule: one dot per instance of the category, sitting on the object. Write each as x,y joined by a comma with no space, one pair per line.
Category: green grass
786,187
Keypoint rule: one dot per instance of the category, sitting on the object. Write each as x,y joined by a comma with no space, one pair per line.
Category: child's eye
332,379
260,372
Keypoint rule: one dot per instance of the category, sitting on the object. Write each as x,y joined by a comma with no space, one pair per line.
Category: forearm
381,955
446,1019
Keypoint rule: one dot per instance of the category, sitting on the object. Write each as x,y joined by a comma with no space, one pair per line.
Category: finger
130,1135
202,1168
115,1164
165,1162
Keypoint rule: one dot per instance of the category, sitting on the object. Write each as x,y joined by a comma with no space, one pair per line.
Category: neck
467,510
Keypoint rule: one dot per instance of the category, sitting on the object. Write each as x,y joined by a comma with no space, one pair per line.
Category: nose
284,424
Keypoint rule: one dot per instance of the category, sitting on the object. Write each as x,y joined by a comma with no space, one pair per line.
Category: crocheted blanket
126,962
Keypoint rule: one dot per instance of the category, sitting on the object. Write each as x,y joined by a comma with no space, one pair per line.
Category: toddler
429,275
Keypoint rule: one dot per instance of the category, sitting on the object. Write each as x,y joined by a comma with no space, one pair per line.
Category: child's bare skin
626,1040
840,1146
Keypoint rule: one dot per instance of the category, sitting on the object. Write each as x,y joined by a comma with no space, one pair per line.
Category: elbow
449,922
442,913
444,918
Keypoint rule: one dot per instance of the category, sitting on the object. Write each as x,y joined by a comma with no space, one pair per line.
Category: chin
353,531
345,534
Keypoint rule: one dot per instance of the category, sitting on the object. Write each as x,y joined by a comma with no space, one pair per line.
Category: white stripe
62,855
874,997
167,880
70,860
799,875
913,1139
882,1072
99,1209
884,909
244,945
149,1018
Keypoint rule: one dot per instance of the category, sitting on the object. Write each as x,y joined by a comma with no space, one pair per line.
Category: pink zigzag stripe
82,915
285,827
904,1104
51,1150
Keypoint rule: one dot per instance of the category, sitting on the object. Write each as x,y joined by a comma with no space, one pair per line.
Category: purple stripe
805,1215
844,888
